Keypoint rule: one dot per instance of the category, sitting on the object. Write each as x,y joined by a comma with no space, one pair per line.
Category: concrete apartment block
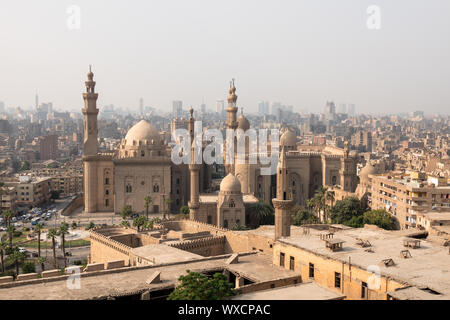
114,264
51,273
27,276
6,279
94,267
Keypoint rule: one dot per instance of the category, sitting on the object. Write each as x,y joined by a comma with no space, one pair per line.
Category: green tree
147,201
63,230
303,216
7,215
197,286
238,227
41,261
318,202
28,267
168,208
90,226
52,233
346,209
139,222
125,223
127,211
184,210
74,225
10,230
3,246
17,258
260,212
25,166
38,229
380,218
54,194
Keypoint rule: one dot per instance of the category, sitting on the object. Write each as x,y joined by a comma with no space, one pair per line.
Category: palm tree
10,231
329,197
8,214
147,201
52,233
139,222
3,246
17,258
168,203
38,229
63,230
260,210
318,201
41,260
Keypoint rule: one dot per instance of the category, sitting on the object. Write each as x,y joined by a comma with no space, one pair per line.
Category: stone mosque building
142,166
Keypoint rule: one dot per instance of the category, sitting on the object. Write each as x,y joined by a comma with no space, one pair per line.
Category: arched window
142,153
107,192
156,188
225,223
333,180
128,188
232,204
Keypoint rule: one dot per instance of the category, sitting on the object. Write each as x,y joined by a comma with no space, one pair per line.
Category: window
106,181
291,263
128,188
232,204
225,223
209,219
156,188
337,280
107,202
142,153
281,259
364,290
107,192
311,270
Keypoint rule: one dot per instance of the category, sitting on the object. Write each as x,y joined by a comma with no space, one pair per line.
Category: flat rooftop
302,291
132,280
161,253
429,265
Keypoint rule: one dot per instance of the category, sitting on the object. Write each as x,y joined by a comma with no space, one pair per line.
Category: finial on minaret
232,97
191,111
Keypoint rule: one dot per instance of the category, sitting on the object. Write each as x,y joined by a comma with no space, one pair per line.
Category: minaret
283,202
194,170
348,171
90,113
231,124
232,108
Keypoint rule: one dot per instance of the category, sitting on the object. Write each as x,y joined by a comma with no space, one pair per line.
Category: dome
142,131
243,123
288,139
368,169
230,183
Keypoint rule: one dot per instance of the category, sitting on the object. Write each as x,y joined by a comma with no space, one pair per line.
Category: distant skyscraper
220,105
141,106
203,108
48,147
2,106
351,110
36,100
263,108
177,108
330,110
342,108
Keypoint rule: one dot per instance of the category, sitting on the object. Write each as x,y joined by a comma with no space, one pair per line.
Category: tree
125,223
7,215
54,194
260,212
238,227
303,216
17,258
380,218
139,222
63,230
41,261
197,286
28,267
184,210
147,201
344,210
74,225
25,166
3,246
167,210
10,230
90,226
52,233
38,229
318,202
127,211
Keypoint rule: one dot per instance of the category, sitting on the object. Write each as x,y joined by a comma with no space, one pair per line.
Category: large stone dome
142,131
243,123
230,184
368,169
288,139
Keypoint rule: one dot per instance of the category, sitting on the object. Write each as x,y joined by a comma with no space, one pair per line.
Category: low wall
277,283
205,247
77,202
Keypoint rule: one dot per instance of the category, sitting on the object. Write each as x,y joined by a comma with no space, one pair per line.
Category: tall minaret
232,108
194,170
90,113
347,171
283,202
231,124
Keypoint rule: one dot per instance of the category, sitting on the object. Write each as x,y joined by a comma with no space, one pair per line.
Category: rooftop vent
405,254
363,243
388,262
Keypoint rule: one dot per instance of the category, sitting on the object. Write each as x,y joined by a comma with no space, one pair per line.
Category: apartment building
31,192
405,196
7,199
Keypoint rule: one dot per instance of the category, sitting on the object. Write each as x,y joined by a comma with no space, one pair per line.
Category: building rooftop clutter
411,243
334,244
161,254
428,267
133,280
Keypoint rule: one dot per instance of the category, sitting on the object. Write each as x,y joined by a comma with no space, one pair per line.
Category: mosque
142,166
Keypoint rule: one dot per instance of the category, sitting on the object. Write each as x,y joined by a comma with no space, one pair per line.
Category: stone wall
106,249
206,247
74,204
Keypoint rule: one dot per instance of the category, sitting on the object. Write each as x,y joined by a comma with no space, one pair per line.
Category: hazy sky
301,53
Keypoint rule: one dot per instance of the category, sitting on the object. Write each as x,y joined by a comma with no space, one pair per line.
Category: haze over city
302,53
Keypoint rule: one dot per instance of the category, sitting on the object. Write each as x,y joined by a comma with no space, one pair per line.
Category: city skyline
302,54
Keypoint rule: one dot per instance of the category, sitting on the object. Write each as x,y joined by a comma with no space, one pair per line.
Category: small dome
243,123
142,131
368,169
288,139
230,183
